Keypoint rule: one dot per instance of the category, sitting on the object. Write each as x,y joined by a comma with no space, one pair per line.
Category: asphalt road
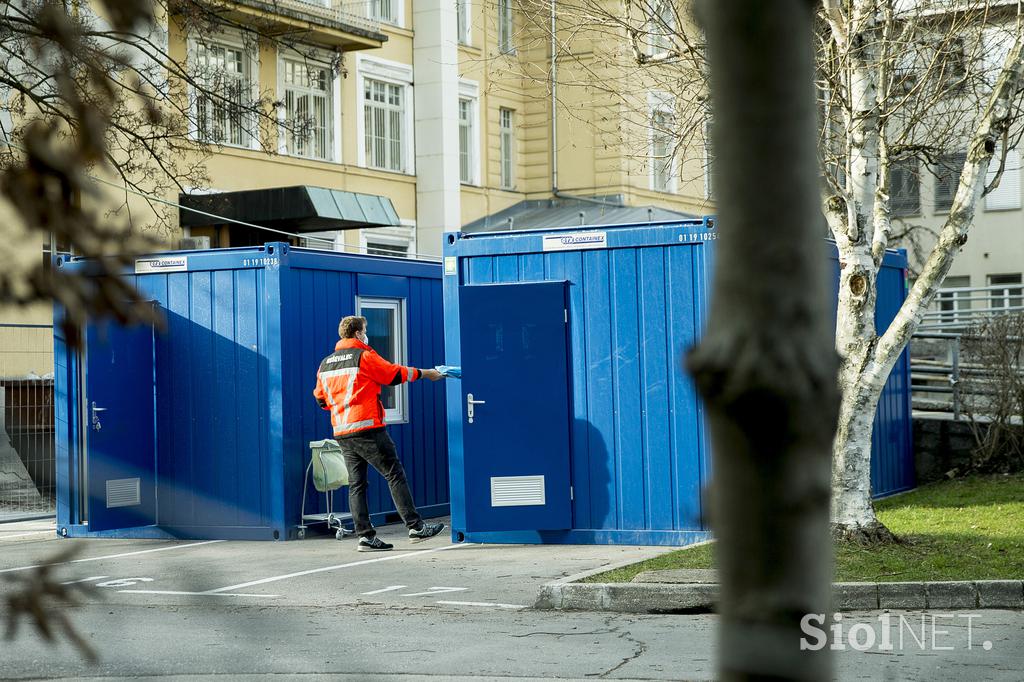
317,608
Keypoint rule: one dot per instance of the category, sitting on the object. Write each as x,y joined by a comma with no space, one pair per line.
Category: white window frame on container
380,240
469,132
332,100
249,63
507,148
463,27
506,27
660,104
393,74
387,11
398,354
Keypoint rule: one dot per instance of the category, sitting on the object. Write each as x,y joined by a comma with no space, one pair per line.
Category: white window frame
663,103
396,19
1005,197
507,146
463,14
403,234
394,73
470,90
334,94
955,298
236,42
506,27
399,414
659,44
1010,296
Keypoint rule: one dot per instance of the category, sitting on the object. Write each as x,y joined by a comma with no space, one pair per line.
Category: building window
1005,197
662,150
955,298
508,148
466,140
1002,296
384,125
904,188
462,21
307,104
661,24
952,62
385,327
947,178
224,102
386,10
505,26
381,249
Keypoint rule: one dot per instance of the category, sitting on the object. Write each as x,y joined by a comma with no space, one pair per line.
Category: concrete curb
702,598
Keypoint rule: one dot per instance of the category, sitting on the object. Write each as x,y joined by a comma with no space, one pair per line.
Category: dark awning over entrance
295,209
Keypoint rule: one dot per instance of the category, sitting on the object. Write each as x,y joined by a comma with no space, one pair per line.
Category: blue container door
120,462
515,392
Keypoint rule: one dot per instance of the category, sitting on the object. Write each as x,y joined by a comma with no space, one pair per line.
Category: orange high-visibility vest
348,384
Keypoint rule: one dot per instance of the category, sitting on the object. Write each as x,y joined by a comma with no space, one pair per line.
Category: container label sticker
451,265
167,264
576,240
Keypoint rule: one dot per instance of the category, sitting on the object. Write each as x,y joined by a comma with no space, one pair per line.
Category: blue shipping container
574,422
202,431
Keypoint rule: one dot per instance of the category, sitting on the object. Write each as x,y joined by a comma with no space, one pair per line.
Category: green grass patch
966,529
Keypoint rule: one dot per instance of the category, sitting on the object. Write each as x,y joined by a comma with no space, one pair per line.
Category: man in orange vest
348,384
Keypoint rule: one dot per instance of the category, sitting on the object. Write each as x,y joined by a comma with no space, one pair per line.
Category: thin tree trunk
767,365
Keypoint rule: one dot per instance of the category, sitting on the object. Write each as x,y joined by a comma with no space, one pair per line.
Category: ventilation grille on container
123,492
517,491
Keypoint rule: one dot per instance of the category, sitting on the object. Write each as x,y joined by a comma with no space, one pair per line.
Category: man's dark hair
350,326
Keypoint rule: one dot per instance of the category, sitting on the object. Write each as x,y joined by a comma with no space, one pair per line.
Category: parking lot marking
84,580
110,556
35,532
202,594
483,603
435,590
299,574
386,589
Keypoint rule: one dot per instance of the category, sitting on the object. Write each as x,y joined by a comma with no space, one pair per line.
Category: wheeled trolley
329,473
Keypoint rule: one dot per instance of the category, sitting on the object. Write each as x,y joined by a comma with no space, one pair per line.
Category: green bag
329,470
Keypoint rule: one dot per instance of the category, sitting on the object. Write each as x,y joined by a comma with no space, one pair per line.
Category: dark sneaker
374,544
425,531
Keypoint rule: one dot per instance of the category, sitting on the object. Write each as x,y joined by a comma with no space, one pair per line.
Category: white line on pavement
111,556
436,590
84,580
393,557
202,594
386,589
483,603
52,531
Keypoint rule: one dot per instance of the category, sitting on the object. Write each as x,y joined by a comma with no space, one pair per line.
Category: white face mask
363,337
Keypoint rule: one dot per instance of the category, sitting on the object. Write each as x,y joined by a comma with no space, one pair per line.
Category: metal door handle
469,406
96,425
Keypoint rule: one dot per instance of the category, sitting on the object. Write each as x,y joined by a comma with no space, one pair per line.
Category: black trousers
375,448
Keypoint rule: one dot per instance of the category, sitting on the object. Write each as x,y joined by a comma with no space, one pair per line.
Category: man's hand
431,374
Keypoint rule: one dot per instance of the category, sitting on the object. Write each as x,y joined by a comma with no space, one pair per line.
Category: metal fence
957,308
27,462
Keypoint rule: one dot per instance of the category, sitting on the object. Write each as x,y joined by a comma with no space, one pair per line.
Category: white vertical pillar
436,87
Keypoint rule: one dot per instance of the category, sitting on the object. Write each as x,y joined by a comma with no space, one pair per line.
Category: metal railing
957,308
27,444
360,13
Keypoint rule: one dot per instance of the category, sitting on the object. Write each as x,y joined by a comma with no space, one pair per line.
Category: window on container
1002,294
384,121
947,177
467,160
382,249
904,188
462,21
955,298
384,10
505,26
508,147
308,115
386,331
224,98
661,150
